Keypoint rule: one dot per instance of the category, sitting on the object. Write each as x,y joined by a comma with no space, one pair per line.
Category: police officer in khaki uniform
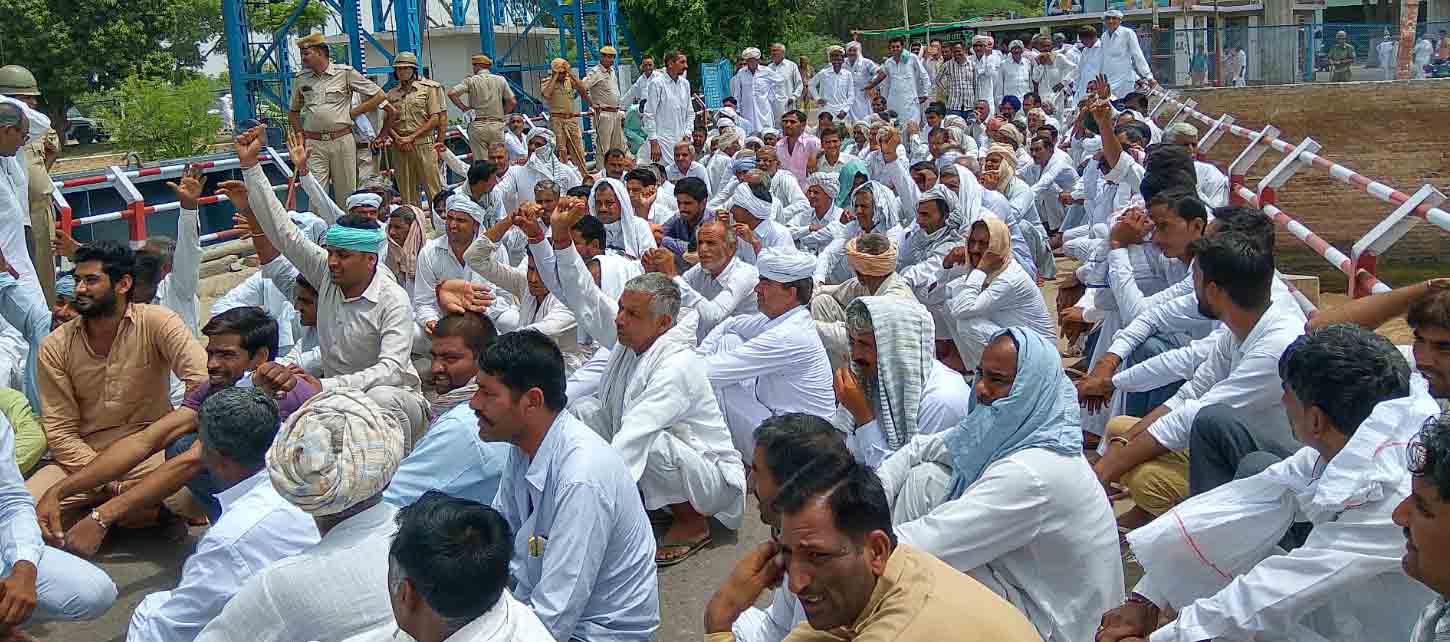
17,82
602,85
412,127
562,90
490,99
322,109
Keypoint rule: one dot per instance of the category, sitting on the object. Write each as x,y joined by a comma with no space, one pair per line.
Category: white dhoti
408,408
585,380
925,488
675,473
741,407
907,111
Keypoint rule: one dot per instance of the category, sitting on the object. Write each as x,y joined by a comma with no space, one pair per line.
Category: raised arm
256,191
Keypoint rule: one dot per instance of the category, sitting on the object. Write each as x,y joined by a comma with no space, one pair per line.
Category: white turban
364,199
750,52
724,121
1113,13
1015,44
853,45
338,449
940,192
982,39
827,181
785,265
769,131
746,199
539,132
460,202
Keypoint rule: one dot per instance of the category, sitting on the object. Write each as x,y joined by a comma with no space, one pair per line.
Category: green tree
270,17
77,46
159,120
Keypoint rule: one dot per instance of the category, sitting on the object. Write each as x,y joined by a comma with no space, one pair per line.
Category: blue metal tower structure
262,73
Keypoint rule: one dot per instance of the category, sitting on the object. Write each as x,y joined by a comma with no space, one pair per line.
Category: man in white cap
751,208
441,259
1014,74
832,84
906,82
816,221
788,93
983,76
773,362
657,409
1212,184
1121,56
364,320
332,458
753,87
863,71
668,112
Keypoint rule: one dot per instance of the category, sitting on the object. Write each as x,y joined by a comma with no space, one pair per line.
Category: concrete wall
1395,132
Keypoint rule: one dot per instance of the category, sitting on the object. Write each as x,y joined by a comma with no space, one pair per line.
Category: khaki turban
338,449
870,264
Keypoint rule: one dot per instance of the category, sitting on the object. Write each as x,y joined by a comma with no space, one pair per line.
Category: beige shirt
90,401
325,99
919,597
603,86
416,104
561,96
36,152
366,340
487,94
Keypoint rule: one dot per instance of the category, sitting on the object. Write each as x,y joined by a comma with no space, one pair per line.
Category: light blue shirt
451,458
593,577
23,305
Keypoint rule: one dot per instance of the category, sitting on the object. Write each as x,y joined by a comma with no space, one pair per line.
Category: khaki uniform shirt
325,99
417,104
487,93
603,86
564,98
36,152
89,401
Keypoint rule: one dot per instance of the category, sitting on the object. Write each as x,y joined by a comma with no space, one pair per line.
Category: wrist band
96,517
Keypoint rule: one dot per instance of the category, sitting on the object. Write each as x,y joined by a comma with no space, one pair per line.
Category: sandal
691,547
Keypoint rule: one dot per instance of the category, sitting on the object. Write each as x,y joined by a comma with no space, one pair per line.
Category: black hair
147,270
1183,202
804,289
239,423
1238,264
613,154
440,200
644,176
357,221
1430,311
1430,455
116,259
1345,371
694,187
577,191
302,282
524,360
252,325
924,166
800,115
591,228
853,492
455,552
1247,221
1050,128
476,330
793,440
480,171
1163,180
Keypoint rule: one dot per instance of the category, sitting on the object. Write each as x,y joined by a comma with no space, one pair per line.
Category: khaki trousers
608,134
42,228
570,137
482,135
335,161
420,165
1156,485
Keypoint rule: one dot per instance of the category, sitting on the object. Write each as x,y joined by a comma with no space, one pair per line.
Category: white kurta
716,298
906,81
762,367
863,71
833,86
1035,527
977,311
15,197
944,396
1215,559
1122,60
754,91
1014,78
788,93
668,115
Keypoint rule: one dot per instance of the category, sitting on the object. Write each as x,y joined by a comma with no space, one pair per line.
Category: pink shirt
806,148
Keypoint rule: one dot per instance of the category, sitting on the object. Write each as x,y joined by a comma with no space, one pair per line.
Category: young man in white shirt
1424,515
1216,558
1229,408
257,526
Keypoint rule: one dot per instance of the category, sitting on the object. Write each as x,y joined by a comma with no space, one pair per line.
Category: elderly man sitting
721,286
657,409
873,259
986,290
815,222
895,389
1007,497
755,226
332,459
773,362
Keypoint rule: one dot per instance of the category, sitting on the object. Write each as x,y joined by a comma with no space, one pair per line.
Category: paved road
141,563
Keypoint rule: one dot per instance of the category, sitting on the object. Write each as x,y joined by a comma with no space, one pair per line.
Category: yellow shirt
324,100
89,401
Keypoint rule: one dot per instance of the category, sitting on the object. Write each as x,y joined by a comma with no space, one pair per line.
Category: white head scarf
630,234
884,210
747,200
364,199
830,182
338,449
785,265
460,202
969,196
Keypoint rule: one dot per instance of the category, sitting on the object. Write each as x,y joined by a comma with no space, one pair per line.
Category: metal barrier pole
1239,169
135,206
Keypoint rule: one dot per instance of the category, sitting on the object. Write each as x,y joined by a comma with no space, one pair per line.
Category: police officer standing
322,110
561,91
602,84
17,82
413,128
490,99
